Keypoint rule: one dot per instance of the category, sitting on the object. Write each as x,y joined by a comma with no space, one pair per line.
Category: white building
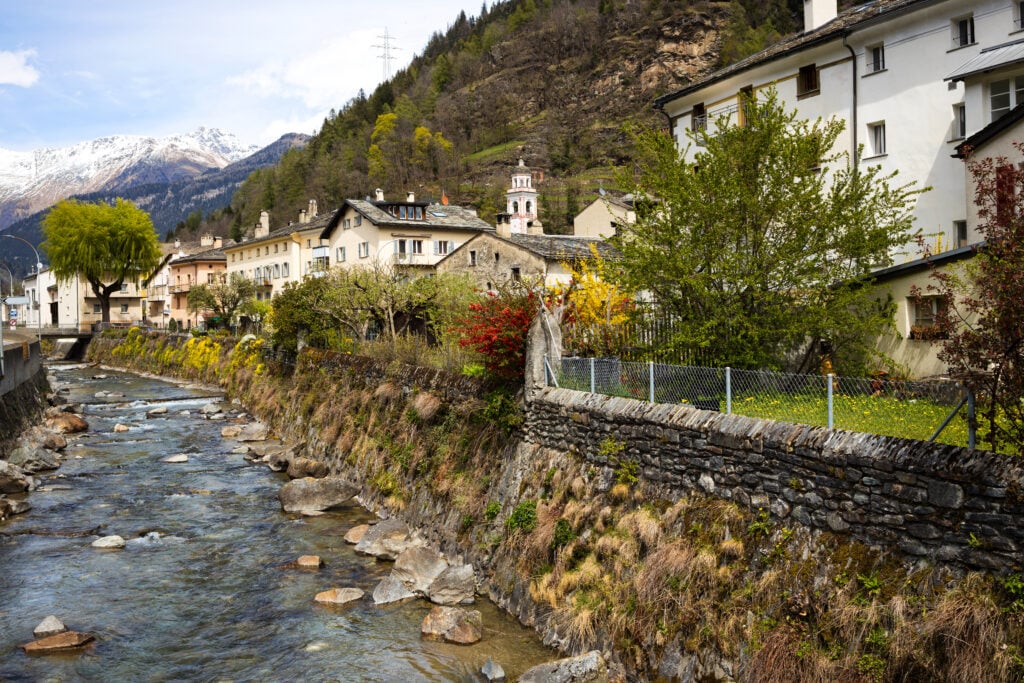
911,78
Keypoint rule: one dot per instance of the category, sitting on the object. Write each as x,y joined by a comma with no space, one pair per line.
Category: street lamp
39,268
3,302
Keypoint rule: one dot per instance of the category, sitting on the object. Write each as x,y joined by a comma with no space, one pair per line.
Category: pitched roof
434,216
845,23
316,223
208,255
562,247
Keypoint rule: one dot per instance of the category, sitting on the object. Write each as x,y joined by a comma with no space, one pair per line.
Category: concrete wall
943,503
21,361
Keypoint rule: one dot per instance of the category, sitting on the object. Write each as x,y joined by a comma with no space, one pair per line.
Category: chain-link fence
923,410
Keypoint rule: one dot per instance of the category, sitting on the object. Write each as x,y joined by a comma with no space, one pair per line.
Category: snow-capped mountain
30,181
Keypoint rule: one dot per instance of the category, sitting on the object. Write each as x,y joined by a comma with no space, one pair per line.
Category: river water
202,592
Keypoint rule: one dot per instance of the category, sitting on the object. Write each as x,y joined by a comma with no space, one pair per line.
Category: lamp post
3,302
39,268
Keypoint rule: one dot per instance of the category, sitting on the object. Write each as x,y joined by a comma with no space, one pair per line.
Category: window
320,264
266,250
97,308
348,224
340,255
284,270
443,247
400,249
309,244
699,117
232,258
516,277
960,233
209,278
1004,95
959,131
1018,16
416,246
807,81
963,31
277,271
124,286
124,308
876,138
472,258
358,220
745,97
874,55
276,245
364,249
497,257
926,311
515,207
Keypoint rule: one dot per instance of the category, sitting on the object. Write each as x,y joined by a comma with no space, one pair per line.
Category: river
202,592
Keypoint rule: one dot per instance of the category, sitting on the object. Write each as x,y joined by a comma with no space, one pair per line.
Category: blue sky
75,70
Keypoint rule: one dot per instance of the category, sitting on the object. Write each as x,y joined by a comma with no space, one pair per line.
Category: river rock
418,567
13,478
9,507
66,423
586,668
241,450
315,494
62,641
391,590
309,562
33,459
356,533
454,586
180,457
121,428
46,438
50,626
211,409
306,467
339,596
98,377
263,448
493,672
109,542
279,459
254,431
453,625
230,431
386,540
156,412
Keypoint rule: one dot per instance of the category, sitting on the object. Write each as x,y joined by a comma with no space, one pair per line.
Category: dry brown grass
731,549
619,493
643,525
578,487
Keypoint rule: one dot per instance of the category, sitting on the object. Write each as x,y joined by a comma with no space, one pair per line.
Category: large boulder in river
453,625
386,540
33,459
9,507
391,590
66,423
279,459
454,586
13,479
50,626
68,640
306,467
254,431
316,494
586,668
418,567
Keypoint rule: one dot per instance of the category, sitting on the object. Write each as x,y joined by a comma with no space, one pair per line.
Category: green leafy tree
222,299
764,240
108,245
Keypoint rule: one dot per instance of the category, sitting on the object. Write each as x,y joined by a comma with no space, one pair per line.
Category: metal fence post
728,390
972,423
831,418
547,370
593,384
650,369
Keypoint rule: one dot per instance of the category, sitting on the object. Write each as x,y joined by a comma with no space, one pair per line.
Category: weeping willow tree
108,245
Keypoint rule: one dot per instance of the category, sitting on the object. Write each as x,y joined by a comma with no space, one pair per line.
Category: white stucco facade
885,69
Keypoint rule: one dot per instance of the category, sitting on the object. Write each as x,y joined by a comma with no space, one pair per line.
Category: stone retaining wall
944,503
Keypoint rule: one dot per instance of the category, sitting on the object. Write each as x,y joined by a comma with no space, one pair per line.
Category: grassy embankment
605,559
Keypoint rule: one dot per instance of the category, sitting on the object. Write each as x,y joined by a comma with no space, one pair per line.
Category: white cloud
15,69
324,77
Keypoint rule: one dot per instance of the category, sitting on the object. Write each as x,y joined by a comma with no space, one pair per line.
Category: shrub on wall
496,328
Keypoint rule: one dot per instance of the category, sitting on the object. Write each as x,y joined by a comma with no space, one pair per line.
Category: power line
386,49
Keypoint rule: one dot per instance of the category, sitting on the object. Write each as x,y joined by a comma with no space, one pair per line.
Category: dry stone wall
944,503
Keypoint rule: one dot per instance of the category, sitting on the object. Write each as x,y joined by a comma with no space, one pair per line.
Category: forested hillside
552,81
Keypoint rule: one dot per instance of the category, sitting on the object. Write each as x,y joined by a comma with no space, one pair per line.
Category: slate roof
562,247
317,223
434,216
845,23
208,255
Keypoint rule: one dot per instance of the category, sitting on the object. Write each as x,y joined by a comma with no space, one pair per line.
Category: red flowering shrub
496,328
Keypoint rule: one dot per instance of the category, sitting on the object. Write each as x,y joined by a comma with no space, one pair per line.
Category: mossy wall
576,539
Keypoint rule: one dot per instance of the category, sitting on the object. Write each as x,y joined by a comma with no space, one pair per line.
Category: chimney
410,197
263,229
206,240
177,244
218,242
503,227
817,13
303,217
312,212
380,194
